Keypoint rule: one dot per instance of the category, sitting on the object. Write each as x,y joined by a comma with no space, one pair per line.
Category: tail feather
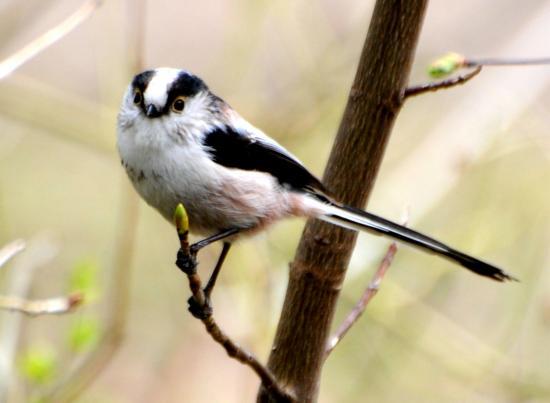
359,220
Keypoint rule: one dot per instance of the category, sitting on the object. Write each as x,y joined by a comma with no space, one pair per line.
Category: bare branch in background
452,62
506,62
50,306
443,84
47,39
367,296
10,250
200,309
19,279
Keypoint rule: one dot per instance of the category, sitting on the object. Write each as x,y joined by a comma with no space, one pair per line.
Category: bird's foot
187,262
200,311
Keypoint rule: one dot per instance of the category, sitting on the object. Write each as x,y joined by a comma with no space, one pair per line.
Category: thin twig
50,306
367,296
10,250
200,309
443,84
452,62
48,38
493,61
244,357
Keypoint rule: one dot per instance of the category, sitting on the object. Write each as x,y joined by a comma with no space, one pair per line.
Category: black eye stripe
185,85
141,81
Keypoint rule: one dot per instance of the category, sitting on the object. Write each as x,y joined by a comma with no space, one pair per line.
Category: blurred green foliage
83,279
39,364
84,334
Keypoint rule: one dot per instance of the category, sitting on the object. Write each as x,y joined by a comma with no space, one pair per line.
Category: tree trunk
319,267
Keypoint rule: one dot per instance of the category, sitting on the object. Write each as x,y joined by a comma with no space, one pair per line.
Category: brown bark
322,257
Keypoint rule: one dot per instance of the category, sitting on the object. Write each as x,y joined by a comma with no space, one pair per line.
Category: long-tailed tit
180,143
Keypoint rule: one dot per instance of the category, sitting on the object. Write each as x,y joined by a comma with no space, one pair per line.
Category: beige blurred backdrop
471,164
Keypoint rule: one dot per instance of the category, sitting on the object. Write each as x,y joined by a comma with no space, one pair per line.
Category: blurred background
471,164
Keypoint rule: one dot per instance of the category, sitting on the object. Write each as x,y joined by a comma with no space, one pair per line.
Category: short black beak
151,111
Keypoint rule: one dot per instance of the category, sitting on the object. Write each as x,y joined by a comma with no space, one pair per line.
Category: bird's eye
137,97
178,104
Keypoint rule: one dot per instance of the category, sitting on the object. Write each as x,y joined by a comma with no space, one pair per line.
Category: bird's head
168,98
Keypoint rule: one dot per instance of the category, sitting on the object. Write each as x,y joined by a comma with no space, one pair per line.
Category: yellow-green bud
446,65
181,219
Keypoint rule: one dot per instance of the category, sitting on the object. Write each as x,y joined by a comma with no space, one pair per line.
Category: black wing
243,150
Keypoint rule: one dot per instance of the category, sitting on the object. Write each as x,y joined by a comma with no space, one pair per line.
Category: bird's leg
212,280
187,262
211,239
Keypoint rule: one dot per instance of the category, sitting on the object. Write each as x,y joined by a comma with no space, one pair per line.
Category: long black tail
359,220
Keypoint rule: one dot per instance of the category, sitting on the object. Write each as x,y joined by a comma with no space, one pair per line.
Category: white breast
166,173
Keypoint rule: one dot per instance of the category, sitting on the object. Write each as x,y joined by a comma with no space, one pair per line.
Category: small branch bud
181,219
446,65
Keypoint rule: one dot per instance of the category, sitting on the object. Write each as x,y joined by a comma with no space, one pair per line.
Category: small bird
181,143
